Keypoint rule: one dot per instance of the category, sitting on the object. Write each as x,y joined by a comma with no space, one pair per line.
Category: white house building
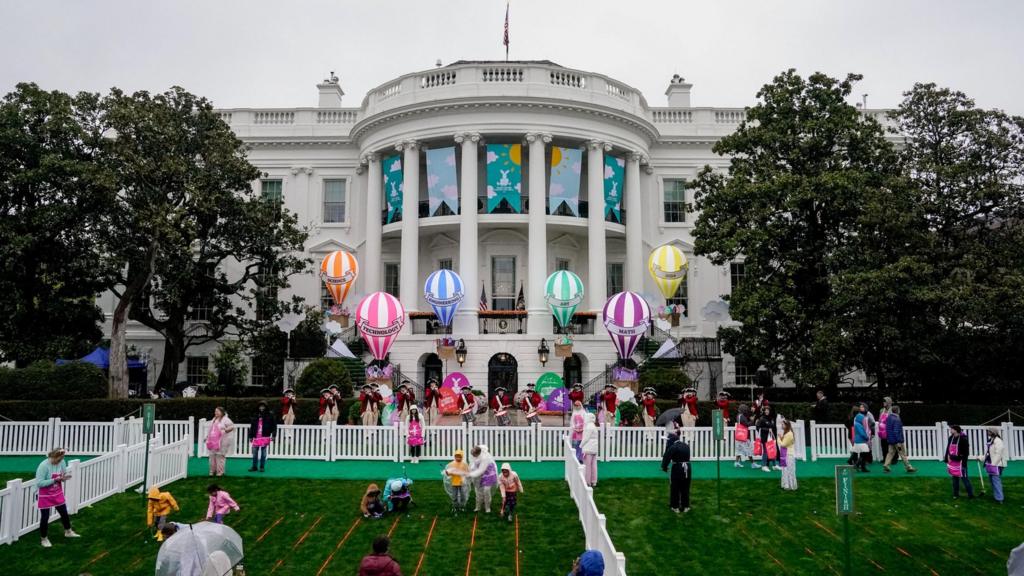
327,165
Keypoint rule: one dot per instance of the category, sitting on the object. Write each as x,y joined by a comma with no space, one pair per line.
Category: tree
967,165
323,373
230,370
808,177
51,195
308,339
185,211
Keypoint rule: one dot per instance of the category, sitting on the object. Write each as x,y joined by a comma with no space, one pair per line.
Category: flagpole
505,39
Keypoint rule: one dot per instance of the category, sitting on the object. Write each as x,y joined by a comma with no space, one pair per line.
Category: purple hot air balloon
627,317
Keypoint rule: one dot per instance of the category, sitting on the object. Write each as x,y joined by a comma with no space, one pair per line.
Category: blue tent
101,358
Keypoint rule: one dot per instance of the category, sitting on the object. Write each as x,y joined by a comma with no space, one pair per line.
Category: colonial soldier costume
576,395
467,404
649,411
500,404
531,404
288,407
406,398
607,403
328,409
366,406
432,402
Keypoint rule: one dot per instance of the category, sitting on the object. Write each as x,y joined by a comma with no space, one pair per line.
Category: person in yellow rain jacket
159,505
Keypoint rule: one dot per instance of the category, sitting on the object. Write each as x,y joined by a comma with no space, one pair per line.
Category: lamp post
542,351
763,379
460,352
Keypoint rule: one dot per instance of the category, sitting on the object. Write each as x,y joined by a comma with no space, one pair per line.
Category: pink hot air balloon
627,317
379,318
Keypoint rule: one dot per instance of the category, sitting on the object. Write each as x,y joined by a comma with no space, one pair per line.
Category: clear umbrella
202,549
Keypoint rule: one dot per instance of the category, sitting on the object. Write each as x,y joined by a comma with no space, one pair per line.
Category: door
502,370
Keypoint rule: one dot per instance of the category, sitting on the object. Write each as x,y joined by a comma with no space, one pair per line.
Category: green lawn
904,526
308,521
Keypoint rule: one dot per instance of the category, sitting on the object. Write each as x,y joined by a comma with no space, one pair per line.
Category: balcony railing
582,323
426,323
423,211
502,321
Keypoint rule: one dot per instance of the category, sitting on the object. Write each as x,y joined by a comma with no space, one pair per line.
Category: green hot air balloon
564,292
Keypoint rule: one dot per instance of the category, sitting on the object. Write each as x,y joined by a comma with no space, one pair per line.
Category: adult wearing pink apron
50,477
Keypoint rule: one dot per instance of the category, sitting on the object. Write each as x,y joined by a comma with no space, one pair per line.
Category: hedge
324,373
46,381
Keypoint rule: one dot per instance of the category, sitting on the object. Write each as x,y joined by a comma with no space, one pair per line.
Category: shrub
628,412
667,382
354,415
323,373
230,370
46,381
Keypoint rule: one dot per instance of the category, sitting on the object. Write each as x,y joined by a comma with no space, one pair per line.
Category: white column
409,269
635,260
539,319
597,255
371,259
469,265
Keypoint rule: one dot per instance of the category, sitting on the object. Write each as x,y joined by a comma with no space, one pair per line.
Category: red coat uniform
366,401
534,401
287,403
431,398
690,403
465,401
610,401
406,398
575,395
502,402
649,405
723,405
325,404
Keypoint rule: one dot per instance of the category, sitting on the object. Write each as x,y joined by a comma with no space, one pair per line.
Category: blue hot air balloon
444,291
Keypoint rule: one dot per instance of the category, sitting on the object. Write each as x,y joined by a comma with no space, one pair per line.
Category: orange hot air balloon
339,270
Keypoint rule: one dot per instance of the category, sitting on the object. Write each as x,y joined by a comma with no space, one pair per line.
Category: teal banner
614,175
393,182
442,183
566,164
504,176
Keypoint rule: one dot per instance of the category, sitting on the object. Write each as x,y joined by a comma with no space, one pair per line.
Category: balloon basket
342,320
446,352
563,350
379,381
675,319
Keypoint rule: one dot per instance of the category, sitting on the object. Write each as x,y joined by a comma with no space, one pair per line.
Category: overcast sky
260,53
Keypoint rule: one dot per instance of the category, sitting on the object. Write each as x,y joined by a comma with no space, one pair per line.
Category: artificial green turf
906,526
112,531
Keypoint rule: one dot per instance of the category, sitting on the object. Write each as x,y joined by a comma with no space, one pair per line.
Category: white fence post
190,433
331,439
941,433
121,467
53,436
73,489
814,442
12,513
1010,441
117,435
201,433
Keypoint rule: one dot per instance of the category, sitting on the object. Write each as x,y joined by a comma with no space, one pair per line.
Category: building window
737,272
392,280
562,264
326,300
334,201
615,272
745,375
202,310
266,294
270,191
675,201
195,369
444,264
503,283
681,297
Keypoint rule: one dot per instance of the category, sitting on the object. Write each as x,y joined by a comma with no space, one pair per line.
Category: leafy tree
308,339
185,212
323,373
967,165
230,370
51,195
808,176
268,348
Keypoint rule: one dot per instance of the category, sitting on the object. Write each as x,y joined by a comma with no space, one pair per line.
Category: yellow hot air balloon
667,265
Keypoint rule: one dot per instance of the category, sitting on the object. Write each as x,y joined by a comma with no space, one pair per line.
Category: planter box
340,319
563,350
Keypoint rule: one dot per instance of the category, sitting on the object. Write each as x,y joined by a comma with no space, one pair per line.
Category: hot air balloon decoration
379,319
627,318
563,292
339,271
444,292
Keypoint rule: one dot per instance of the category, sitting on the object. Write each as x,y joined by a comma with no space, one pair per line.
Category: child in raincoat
221,504
511,487
158,507
455,483
372,506
397,494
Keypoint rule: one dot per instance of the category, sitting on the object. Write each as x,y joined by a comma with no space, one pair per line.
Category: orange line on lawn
996,554
904,552
897,524
776,560
395,523
97,558
340,544
877,565
267,531
425,546
306,534
136,563
818,524
278,565
517,545
472,540
809,551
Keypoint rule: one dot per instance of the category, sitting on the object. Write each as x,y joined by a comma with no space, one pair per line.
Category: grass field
303,526
903,526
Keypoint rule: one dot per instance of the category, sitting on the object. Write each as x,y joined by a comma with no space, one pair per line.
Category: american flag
483,297
505,40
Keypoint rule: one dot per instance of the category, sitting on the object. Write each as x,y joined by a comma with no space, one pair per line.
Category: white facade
467,105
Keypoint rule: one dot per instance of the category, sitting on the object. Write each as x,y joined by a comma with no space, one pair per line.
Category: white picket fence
921,442
92,481
595,531
84,438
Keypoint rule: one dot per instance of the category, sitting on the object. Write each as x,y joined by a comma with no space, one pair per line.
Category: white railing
595,530
921,442
440,442
26,438
83,438
86,438
92,481
549,442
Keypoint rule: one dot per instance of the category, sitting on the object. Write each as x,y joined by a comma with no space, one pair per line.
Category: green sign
548,383
394,180
148,416
844,490
718,424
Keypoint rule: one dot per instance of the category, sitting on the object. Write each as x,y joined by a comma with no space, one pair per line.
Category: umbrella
202,549
1015,564
667,416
